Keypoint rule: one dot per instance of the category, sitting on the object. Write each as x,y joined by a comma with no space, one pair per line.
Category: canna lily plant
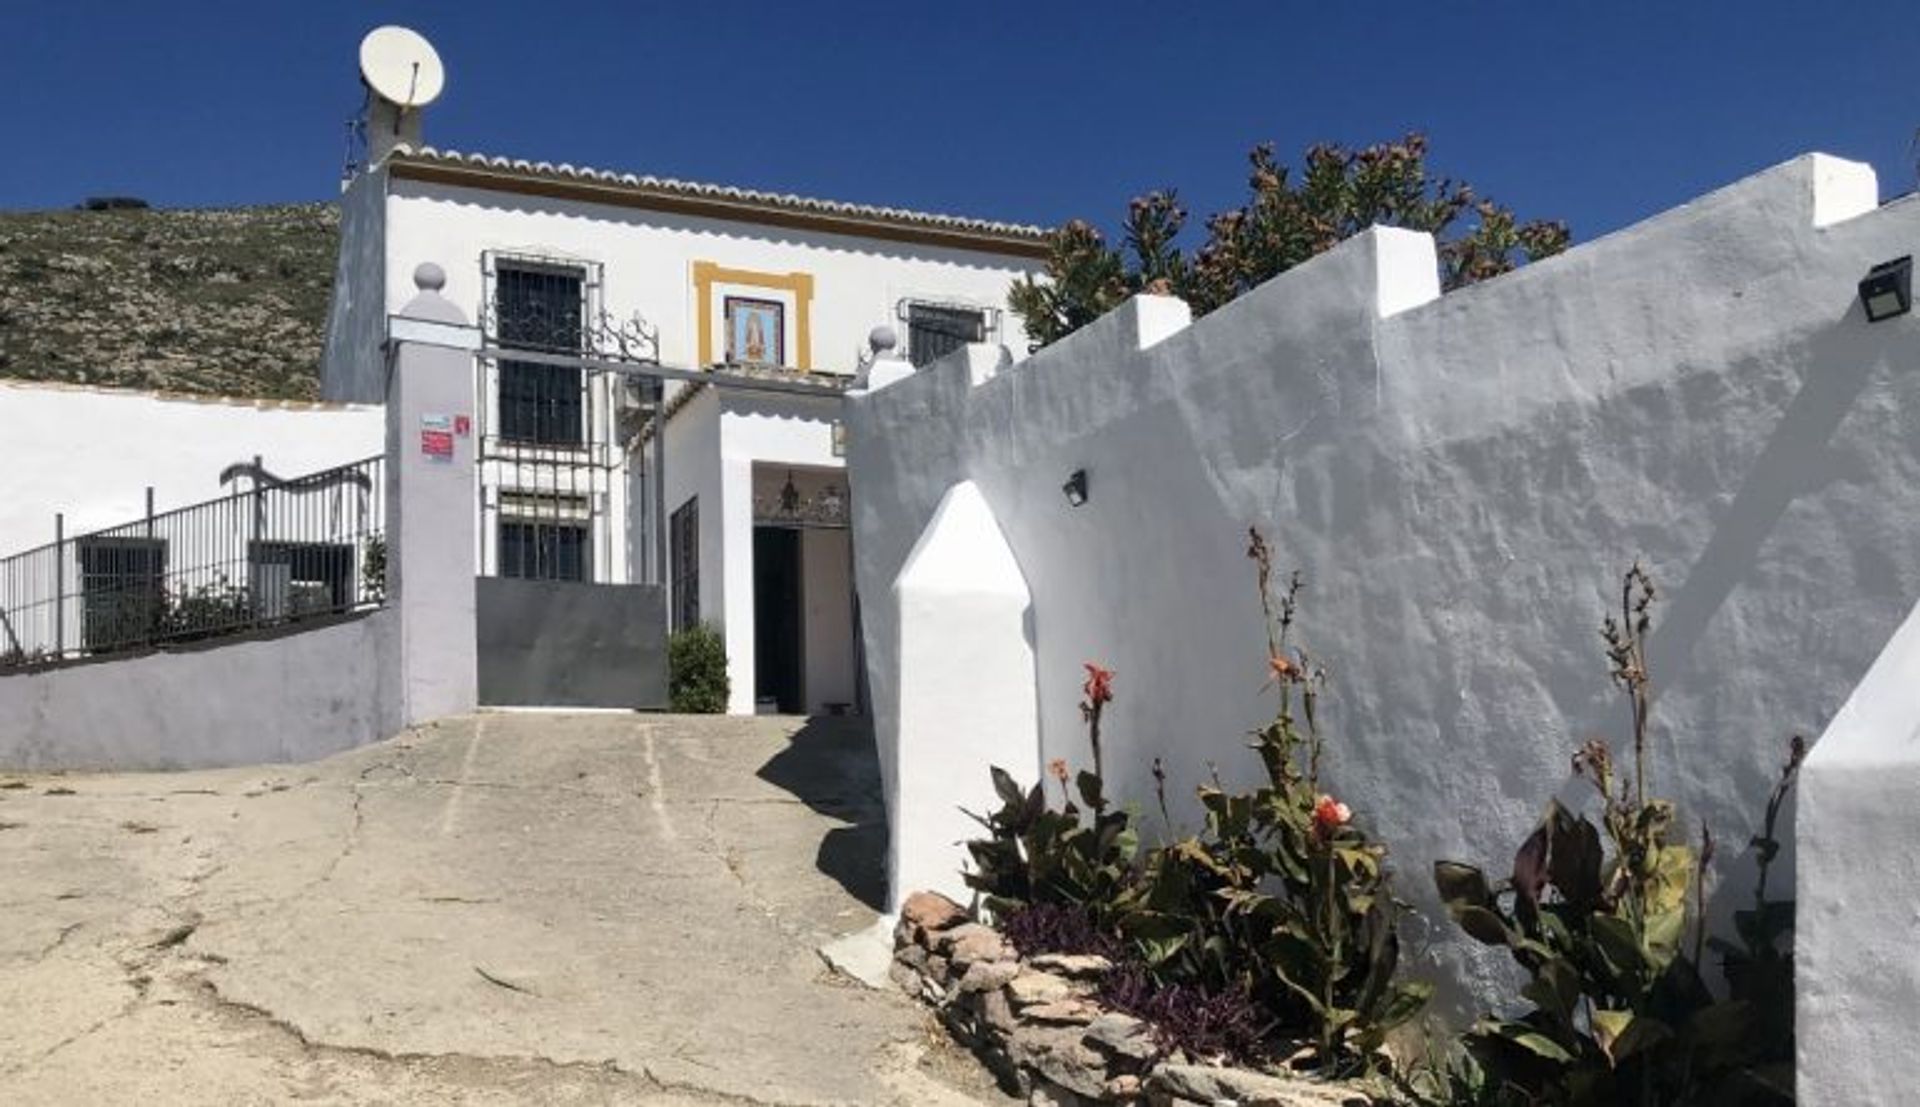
1598,918
1282,896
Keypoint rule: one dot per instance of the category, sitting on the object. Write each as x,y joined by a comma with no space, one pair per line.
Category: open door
778,633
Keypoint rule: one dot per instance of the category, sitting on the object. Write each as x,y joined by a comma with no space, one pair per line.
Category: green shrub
697,671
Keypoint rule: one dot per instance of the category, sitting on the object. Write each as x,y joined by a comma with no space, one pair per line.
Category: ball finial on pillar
428,277
881,340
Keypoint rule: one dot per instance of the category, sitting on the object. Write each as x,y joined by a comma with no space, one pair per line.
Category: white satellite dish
401,67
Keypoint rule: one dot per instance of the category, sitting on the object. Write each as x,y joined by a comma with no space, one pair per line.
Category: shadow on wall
1800,457
833,767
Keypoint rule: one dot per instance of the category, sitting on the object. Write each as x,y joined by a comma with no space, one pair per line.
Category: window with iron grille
540,307
123,590
545,550
936,330
683,535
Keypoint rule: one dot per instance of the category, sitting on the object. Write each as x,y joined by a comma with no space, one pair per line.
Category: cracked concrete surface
504,908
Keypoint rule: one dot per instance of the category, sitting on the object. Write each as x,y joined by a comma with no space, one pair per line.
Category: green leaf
1483,925
1402,1003
1555,988
1622,1034
1664,931
1524,1036
1574,860
1463,884
1010,793
1620,948
1607,1028
1089,786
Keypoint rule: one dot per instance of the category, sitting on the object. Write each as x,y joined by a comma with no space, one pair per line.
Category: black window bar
275,551
540,308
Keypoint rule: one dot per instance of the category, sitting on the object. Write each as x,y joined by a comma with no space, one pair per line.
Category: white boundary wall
1461,479
303,694
91,452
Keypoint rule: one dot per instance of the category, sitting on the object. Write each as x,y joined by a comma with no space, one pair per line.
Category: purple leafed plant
1037,928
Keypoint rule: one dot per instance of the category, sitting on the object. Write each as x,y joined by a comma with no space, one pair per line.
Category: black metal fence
281,551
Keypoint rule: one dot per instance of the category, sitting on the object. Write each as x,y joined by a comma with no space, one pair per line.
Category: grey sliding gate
560,643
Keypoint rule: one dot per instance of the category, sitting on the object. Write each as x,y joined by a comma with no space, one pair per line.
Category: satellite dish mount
403,74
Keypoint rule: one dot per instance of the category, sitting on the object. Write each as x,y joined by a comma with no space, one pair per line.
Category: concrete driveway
499,909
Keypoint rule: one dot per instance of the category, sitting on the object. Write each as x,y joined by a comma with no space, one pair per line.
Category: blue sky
1601,114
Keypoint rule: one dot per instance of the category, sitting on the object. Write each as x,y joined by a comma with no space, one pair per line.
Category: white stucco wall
293,697
92,452
826,559
1856,979
770,430
647,260
1461,480
692,469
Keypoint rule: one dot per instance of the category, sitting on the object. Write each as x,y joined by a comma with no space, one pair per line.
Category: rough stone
971,942
912,956
936,968
1123,1036
1048,1094
1032,987
1070,1012
1251,1089
1126,1086
1077,965
931,913
997,1013
906,978
1058,1054
988,976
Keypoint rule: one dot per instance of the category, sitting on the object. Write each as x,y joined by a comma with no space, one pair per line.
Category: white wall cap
1158,318
1842,189
1406,269
1880,722
985,360
428,304
883,371
962,550
1139,322
433,332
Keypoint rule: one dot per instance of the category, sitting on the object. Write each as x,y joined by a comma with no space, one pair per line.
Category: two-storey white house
731,497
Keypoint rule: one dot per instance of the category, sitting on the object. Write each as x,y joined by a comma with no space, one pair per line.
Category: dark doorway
776,617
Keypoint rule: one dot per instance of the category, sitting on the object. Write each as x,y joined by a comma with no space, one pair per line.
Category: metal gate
571,407
571,608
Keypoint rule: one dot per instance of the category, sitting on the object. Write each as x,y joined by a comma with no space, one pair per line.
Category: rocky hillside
231,302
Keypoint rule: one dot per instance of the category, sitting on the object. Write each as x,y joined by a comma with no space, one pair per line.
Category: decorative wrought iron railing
276,552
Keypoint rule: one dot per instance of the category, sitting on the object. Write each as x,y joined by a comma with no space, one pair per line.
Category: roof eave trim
742,211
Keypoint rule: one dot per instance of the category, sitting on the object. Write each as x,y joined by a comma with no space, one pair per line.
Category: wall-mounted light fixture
1076,488
1887,289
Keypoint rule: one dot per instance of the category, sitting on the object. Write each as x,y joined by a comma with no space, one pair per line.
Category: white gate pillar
967,696
432,509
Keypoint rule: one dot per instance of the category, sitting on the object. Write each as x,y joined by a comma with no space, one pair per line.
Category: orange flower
1099,686
1330,815
1283,669
1057,769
